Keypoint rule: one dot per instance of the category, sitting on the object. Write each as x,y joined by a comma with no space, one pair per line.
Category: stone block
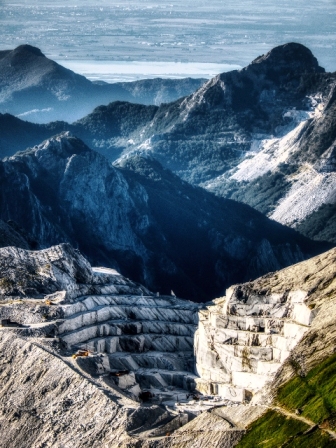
302,314
229,392
294,331
250,381
268,368
112,344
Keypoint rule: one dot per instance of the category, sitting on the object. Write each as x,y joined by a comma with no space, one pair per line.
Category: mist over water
192,31
115,71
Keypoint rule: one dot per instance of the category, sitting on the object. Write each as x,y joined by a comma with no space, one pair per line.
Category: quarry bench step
151,359
126,311
165,378
119,326
139,343
94,302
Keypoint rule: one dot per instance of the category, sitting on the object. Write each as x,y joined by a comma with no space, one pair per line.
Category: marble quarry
243,338
139,342
143,341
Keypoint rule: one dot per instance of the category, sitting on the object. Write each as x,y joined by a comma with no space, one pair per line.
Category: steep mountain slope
292,179
279,329
264,135
107,129
52,403
18,135
11,235
142,219
229,111
41,90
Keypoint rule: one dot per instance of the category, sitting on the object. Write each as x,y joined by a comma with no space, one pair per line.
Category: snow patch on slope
309,191
267,155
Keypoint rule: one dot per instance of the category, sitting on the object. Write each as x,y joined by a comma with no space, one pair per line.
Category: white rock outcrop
139,341
128,331
243,339
145,334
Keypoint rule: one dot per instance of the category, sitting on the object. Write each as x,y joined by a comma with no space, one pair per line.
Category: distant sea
188,32
117,71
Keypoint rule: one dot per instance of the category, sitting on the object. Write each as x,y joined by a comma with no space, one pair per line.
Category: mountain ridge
39,89
142,219
263,135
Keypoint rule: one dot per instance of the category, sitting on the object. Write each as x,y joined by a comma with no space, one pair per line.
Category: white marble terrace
237,343
242,340
150,336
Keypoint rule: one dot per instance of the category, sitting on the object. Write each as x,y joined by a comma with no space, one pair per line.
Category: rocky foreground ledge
90,358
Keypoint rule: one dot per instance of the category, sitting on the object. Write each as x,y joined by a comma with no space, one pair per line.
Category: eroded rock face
33,273
142,220
128,341
244,338
126,328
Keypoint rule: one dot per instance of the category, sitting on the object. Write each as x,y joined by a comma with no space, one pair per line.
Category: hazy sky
229,32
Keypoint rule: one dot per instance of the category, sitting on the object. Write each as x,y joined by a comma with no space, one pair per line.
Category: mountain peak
288,55
28,49
64,144
24,61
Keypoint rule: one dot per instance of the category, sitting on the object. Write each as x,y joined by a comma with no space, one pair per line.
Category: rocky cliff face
142,219
135,344
233,108
244,338
264,135
292,178
40,90
249,347
11,235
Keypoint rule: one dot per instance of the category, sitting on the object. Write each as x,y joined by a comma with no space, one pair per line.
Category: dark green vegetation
262,193
321,224
271,430
312,397
275,430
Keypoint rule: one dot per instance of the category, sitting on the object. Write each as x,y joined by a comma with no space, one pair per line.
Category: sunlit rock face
244,337
142,220
94,326
125,327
